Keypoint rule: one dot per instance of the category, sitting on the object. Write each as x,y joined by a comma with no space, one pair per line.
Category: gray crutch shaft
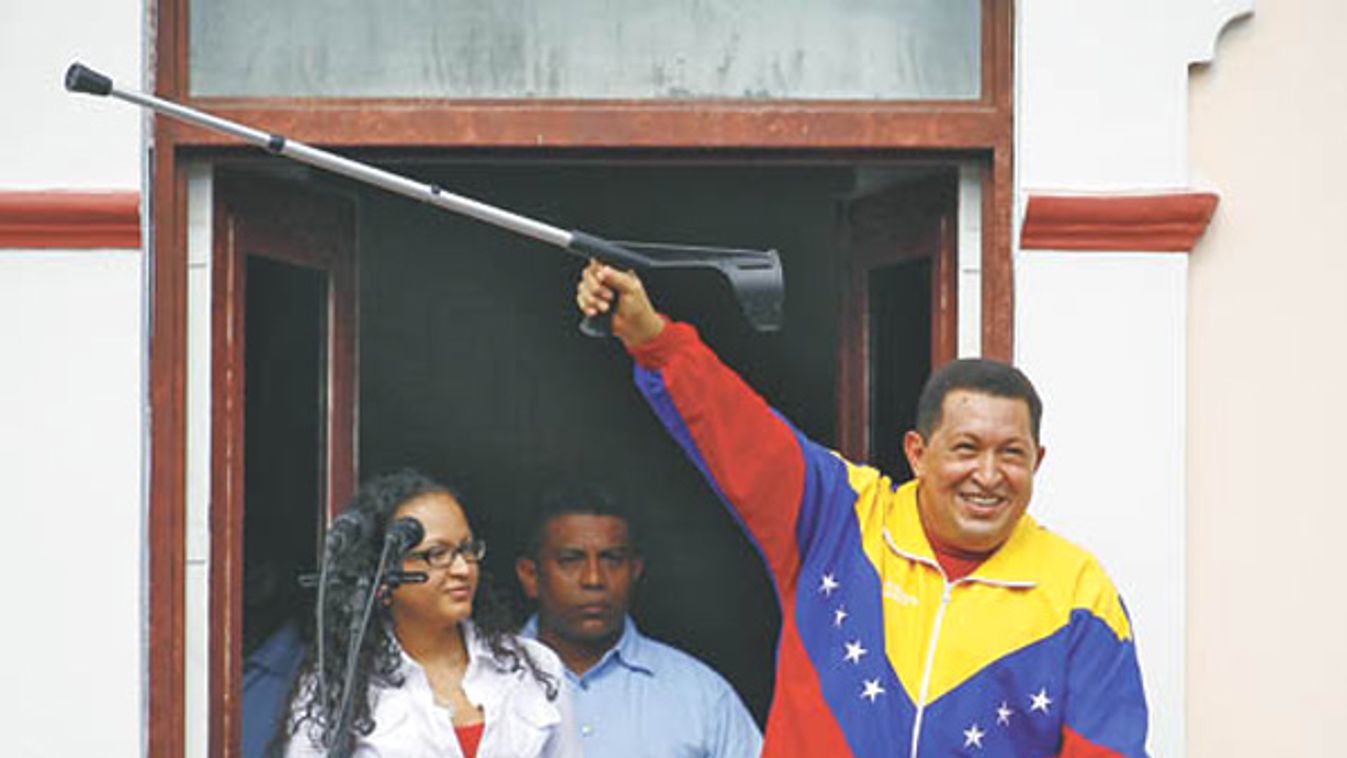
82,79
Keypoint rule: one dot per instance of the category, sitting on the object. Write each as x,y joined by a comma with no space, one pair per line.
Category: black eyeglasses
443,556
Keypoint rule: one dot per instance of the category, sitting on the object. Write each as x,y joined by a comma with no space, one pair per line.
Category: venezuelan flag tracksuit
1030,655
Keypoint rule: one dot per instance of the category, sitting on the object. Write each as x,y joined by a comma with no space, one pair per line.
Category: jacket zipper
930,660
939,620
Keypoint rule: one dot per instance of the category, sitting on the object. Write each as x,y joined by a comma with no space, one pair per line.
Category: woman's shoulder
544,656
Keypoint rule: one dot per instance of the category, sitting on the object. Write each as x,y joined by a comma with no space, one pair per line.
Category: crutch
754,275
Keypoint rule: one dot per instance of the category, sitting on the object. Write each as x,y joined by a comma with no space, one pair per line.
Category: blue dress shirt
647,699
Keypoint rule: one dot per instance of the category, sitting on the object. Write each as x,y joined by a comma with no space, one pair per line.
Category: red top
956,566
956,563
469,737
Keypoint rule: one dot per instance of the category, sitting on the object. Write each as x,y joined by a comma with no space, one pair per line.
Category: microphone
398,539
404,533
347,529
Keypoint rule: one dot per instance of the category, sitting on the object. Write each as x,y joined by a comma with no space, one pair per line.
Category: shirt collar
631,650
487,682
481,663
1014,564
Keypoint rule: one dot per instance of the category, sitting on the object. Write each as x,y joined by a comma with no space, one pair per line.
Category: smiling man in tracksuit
928,619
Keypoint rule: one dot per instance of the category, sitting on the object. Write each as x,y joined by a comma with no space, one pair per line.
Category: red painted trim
1170,222
80,220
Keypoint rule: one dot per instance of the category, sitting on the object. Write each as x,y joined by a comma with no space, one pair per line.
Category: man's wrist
645,329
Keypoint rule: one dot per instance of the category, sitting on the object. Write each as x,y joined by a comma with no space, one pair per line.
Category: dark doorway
900,358
472,367
283,464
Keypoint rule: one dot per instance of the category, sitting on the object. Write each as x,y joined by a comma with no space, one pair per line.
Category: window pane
800,49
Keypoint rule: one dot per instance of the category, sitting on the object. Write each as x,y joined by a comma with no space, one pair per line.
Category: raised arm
781,486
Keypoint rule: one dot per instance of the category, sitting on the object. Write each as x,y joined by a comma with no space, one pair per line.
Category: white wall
1101,94
196,579
71,343
72,397
970,260
1102,90
52,139
1267,355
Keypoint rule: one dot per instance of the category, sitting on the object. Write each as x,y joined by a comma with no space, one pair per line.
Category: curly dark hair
379,659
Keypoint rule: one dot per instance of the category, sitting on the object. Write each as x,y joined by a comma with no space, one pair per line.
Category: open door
899,312
283,394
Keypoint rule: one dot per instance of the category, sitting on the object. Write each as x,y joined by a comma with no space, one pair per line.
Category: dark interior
283,411
471,367
900,350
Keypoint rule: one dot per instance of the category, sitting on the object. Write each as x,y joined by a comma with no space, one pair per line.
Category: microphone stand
366,594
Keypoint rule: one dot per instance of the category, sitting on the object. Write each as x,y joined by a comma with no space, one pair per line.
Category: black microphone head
347,529
404,533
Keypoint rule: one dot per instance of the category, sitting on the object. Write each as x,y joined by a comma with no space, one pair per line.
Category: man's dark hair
582,500
975,375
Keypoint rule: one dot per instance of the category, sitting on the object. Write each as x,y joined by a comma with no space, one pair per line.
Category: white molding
1210,19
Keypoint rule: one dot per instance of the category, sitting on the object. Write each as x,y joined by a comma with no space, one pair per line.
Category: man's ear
1042,453
637,569
914,447
527,572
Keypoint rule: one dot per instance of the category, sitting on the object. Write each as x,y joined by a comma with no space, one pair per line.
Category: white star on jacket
839,615
872,690
1041,701
828,584
1003,714
973,736
854,652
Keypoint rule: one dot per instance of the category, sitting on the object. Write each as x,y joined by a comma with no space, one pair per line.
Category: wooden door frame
312,235
981,129
929,205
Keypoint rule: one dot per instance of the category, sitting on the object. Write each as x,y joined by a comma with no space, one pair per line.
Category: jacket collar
1014,564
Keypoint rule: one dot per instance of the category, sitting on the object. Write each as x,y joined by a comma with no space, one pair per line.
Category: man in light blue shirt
634,696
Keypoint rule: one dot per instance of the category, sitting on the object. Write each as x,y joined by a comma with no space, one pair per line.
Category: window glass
609,49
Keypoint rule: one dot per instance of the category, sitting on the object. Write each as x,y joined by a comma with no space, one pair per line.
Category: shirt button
586,730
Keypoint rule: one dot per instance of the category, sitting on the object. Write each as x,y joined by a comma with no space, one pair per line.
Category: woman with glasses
439,671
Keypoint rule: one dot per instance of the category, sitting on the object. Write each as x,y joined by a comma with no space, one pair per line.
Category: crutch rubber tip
80,78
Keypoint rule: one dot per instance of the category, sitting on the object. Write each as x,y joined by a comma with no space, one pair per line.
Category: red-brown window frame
983,127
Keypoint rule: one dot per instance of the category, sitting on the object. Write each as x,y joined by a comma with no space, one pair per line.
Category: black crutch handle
601,325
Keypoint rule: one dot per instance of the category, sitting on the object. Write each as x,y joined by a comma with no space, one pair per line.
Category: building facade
1037,177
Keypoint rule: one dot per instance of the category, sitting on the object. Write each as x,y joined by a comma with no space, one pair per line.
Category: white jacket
520,721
